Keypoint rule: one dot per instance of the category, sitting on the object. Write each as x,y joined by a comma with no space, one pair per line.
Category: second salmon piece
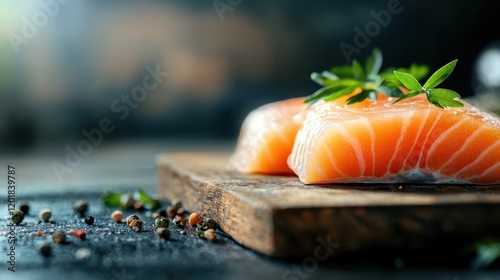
410,141
266,138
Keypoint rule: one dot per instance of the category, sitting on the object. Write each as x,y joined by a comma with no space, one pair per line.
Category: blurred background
67,64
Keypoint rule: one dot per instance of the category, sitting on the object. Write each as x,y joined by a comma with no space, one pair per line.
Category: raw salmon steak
266,138
409,141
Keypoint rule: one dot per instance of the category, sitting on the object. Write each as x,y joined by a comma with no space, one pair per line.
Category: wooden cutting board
280,216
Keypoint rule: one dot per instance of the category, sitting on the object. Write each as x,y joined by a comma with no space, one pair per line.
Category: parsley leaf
440,75
344,80
408,81
439,97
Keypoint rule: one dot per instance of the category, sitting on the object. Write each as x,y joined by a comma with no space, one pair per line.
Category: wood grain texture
280,216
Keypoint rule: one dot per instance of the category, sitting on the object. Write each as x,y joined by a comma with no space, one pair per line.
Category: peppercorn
82,254
136,225
181,211
163,233
163,213
89,220
17,216
194,219
127,201
25,207
179,221
206,224
45,214
45,249
132,218
81,234
72,231
59,237
171,211
139,207
39,233
201,234
81,206
117,216
161,222
177,204
210,234
210,224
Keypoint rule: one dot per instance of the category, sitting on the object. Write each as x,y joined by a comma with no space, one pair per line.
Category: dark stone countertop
119,253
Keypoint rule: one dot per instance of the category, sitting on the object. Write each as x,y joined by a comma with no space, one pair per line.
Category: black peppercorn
17,216
89,220
206,224
45,249
25,207
210,224
163,213
179,221
161,222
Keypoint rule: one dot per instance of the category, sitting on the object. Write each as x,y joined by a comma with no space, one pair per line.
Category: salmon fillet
410,141
266,138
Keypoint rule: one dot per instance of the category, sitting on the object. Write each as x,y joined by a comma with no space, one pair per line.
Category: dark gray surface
118,253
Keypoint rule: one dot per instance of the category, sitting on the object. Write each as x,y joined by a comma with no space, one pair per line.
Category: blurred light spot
489,67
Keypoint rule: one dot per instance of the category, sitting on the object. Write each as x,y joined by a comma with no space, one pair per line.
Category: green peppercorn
25,207
17,216
59,237
45,249
201,234
45,214
163,233
161,222
179,221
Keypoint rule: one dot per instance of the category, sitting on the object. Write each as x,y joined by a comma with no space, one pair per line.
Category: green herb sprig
440,97
115,199
343,80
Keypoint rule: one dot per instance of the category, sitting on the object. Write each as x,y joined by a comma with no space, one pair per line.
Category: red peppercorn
81,234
